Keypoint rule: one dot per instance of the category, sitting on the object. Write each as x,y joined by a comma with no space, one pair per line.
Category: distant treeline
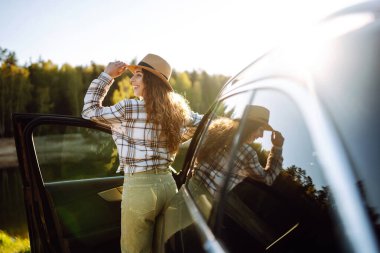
45,87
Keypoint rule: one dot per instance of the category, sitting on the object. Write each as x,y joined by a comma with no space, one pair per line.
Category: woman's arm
93,108
195,119
272,168
189,130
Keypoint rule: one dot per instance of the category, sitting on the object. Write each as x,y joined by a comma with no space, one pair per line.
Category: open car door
71,190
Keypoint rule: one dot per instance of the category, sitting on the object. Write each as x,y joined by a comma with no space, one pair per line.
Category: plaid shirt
246,164
138,143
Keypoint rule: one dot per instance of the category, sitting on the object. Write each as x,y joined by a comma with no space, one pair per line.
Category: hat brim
267,127
133,68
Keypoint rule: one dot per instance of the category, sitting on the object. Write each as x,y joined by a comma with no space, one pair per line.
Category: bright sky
218,36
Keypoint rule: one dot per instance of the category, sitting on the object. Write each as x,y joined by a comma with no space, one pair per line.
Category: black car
322,91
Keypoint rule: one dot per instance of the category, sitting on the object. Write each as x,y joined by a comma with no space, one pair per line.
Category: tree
8,57
67,95
44,78
124,90
181,83
210,87
14,90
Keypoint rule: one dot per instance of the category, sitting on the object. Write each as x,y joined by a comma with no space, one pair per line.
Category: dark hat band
144,64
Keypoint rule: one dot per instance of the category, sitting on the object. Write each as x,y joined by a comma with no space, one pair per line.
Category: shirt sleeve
93,109
272,169
188,131
195,119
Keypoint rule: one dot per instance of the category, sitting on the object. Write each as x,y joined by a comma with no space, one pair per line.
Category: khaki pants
145,196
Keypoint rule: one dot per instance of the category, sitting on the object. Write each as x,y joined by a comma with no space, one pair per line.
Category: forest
45,87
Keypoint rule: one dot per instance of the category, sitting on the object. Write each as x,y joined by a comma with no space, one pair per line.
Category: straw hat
155,65
258,114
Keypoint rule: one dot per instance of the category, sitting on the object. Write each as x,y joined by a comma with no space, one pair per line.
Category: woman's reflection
213,157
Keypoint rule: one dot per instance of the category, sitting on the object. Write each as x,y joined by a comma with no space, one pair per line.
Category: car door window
293,213
74,153
77,165
210,162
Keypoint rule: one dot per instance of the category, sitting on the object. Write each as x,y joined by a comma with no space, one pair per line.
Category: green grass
10,244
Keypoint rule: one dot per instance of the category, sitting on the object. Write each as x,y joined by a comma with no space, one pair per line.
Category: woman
147,132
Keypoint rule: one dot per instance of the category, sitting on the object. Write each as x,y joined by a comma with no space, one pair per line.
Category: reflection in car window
207,176
71,153
294,213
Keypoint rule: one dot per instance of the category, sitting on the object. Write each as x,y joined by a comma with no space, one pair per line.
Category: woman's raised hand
277,139
115,69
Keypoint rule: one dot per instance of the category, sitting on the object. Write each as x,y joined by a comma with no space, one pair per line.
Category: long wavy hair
220,135
165,108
